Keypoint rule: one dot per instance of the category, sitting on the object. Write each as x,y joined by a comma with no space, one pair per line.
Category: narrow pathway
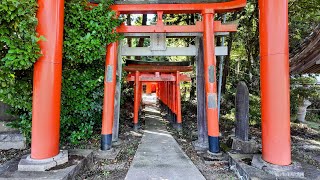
159,155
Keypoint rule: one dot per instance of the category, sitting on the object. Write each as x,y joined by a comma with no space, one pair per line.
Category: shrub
18,51
88,30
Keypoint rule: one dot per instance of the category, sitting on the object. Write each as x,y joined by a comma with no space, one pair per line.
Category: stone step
12,140
4,127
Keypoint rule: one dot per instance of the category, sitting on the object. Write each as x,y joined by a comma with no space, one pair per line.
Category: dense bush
18,51
87,32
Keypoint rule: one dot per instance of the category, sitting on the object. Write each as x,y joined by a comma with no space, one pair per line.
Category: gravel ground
7,155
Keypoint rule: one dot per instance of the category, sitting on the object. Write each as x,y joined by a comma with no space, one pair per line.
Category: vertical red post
47,81
170,100
174,101
210,81
137,95
275,85
109,93
178,97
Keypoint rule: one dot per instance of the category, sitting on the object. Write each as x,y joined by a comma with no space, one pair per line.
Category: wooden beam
156,78
220,7
171,51
161,69
161,28
172,35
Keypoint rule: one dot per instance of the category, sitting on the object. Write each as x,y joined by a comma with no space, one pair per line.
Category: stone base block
215,158
110,154
12,140
79,160
199,146
245,147
28,164
117,143
292,171
241,165
4,127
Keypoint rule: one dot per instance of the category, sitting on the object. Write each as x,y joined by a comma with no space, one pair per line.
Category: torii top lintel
218,7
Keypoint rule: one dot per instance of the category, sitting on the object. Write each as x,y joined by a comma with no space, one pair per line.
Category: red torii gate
168,78
276,147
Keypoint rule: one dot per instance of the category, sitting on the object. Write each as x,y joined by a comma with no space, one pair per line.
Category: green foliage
18,39
18,51
244,63
304,16
87,32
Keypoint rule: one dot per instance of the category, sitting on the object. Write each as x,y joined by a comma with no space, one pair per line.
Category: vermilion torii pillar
210,81
137,100
109,93
178,94
47,81
275,85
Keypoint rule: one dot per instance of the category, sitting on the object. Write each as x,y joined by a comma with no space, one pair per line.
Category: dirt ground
129,141
218,170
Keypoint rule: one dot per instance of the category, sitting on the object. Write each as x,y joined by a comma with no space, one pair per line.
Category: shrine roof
306,57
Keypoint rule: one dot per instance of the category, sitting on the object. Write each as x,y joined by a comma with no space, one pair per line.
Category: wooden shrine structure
306,57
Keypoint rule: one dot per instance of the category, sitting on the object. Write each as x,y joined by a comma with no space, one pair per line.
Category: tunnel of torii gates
167,76
276,144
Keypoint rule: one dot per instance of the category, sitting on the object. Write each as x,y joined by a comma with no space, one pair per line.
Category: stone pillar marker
242,112
241,142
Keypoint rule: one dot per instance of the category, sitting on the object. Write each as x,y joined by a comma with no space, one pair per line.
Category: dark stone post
242,112
241,142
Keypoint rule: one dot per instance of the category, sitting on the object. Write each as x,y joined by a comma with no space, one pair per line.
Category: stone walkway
159,156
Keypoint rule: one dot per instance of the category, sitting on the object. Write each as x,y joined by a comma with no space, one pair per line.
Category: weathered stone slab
243,166
240,164
292,171
4,127
245,147
28,164
78,161
12,140
110,154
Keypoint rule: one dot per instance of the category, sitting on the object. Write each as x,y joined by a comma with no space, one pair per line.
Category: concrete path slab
159,156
